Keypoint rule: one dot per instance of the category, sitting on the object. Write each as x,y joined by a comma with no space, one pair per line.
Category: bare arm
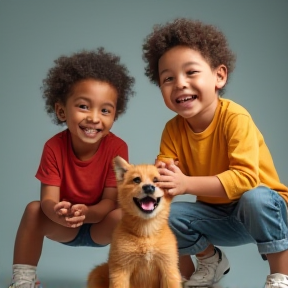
50,196
96,213
66,214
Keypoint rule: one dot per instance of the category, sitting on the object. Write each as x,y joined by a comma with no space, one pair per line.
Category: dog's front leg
119,278
171,281
171,277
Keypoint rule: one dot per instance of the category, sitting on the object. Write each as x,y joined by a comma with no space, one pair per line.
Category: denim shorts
83,238
259,216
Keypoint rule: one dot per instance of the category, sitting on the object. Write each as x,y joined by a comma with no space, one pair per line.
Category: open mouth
147,204
90,131
185,99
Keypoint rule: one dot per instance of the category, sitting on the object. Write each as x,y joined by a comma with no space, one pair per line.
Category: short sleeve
49,171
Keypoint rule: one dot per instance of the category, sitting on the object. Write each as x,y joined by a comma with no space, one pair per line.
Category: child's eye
191,72
167,79
105,111
85,107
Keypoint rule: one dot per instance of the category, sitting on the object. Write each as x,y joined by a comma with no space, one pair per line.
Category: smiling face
189,86
89,113
138,194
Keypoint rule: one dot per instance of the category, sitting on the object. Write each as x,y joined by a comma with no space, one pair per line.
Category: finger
165,185
166,178
173,168
74,220
168,161
172,192
62,211
159,164
76,207
62,204
164,172
74,225
77,213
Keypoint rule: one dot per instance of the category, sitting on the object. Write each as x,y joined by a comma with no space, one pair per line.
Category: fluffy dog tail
99,277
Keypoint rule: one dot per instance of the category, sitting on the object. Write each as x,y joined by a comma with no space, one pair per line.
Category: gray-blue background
34,33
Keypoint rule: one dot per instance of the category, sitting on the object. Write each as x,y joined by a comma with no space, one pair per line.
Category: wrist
188,185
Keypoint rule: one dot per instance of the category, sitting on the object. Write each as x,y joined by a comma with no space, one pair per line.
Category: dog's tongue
147,205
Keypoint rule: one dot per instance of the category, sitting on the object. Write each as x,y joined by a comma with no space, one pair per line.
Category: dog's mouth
147,204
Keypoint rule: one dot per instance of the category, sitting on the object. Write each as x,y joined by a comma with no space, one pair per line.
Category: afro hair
206,39
97,64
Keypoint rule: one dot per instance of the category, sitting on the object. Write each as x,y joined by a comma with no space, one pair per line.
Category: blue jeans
259,216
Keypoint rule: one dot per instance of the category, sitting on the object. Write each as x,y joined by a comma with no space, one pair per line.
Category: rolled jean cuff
273,246
201,244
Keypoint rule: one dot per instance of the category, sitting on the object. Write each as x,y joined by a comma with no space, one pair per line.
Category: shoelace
24,277
204,267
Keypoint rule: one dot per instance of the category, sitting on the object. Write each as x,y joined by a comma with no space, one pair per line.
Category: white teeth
187,98
90,131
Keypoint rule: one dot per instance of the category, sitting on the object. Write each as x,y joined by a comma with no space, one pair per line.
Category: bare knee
32,215
101,233
32,209
112,220
115,215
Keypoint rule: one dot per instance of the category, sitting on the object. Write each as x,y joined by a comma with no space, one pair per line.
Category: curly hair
206,39
99,65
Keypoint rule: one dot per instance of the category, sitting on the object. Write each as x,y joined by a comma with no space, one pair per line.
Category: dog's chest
148,255
144,251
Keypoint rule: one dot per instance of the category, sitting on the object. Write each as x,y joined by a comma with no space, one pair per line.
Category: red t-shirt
80,182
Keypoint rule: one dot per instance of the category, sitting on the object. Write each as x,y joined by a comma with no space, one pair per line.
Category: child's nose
180,82
93,117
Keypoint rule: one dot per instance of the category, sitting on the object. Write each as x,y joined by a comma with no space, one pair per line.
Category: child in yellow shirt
221,156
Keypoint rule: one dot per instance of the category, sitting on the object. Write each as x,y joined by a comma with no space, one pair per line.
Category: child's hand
172,179
162,162
77,215
73,215
62,208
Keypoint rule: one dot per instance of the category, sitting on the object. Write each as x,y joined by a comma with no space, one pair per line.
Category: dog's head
137,193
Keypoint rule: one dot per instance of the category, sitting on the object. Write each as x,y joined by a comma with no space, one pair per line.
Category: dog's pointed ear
121,166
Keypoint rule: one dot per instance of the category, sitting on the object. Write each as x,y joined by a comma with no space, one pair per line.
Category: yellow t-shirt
231,148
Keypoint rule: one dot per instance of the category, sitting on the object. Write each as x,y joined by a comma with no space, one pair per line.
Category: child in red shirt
87,91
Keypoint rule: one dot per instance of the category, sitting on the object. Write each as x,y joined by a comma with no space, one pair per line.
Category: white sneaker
25,284
209,270
24,276
277,280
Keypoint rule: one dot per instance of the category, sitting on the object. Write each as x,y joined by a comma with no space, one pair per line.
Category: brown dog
143,252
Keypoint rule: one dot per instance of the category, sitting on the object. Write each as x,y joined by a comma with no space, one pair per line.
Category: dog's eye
137,180
155,180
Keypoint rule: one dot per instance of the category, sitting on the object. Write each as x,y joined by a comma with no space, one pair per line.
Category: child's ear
221,74
60,111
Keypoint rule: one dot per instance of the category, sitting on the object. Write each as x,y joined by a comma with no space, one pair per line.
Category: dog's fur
143,252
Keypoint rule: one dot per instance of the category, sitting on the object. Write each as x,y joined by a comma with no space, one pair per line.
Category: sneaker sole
206,285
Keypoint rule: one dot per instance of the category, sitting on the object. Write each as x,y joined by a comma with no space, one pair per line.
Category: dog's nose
148,189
